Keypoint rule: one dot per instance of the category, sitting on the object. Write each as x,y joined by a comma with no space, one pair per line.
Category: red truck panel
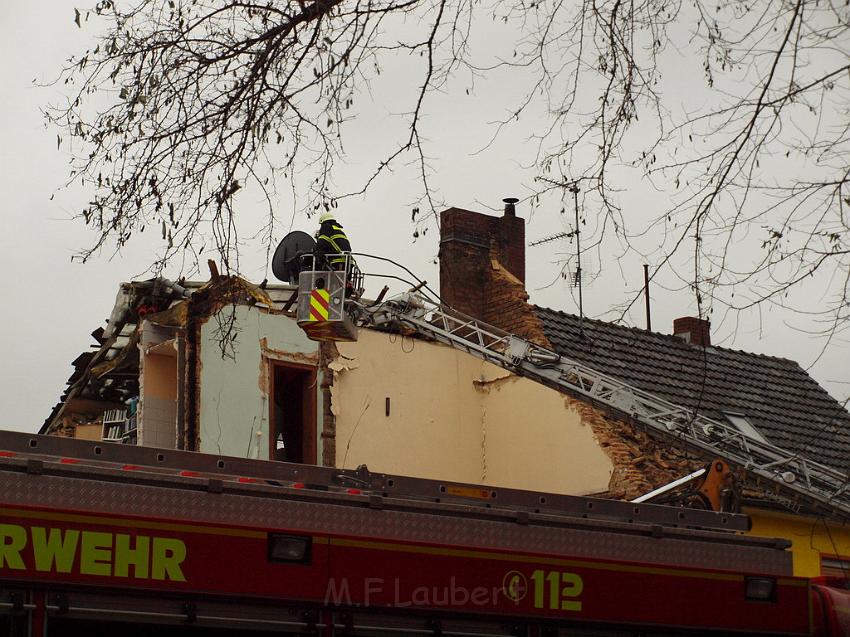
123,552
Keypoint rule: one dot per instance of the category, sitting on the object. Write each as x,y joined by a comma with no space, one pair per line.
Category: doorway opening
293,417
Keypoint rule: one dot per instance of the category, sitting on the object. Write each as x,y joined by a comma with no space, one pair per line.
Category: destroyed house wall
507,305
412,407
482,269
105,381
236,376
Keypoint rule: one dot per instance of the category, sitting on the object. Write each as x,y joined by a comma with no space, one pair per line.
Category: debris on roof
110,374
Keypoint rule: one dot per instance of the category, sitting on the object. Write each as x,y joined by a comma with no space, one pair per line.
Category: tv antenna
574,189
551,238
575,277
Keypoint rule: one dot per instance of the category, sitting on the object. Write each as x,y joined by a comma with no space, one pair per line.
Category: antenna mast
574,189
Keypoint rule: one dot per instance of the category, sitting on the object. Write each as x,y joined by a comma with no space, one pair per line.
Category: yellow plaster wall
810,537
454,417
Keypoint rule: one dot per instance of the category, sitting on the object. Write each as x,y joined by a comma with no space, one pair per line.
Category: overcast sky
50,305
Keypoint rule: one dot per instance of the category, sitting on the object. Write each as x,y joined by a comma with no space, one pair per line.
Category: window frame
841,568
752,434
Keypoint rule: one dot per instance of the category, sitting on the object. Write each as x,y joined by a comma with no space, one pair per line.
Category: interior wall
158,401
455,417
160,376
235,384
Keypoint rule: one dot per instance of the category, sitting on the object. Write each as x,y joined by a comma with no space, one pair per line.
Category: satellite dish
290,248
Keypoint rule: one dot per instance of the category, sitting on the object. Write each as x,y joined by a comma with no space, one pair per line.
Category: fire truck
106,539
109,539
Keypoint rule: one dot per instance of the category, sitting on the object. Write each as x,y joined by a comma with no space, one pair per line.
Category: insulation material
107,366
175,316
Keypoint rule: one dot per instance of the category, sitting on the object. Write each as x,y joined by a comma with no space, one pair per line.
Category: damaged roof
781,401
109,373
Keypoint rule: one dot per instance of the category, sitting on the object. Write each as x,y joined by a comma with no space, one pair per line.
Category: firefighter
331,241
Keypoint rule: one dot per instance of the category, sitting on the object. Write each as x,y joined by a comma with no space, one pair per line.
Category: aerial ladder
785,476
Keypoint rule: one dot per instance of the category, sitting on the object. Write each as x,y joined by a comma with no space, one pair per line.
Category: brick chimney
695,331
482,269
468,243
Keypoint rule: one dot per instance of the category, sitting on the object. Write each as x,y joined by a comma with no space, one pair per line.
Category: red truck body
87,537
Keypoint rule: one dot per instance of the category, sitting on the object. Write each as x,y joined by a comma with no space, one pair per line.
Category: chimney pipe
510,206
646,296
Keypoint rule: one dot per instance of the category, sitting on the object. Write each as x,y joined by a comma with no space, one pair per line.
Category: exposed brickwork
328,352
510,247
641,463
699,330
482,270
482,273
66,425
468,240
507,306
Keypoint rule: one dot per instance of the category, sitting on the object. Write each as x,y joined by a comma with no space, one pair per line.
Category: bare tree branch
184,104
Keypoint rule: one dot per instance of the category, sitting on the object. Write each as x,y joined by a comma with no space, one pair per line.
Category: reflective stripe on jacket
332,241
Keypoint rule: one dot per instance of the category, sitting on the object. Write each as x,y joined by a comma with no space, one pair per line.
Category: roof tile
776,395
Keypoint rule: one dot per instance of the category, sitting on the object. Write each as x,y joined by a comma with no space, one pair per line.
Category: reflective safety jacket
332,241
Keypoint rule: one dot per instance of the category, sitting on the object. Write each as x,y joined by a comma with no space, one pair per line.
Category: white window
835,566
740,422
